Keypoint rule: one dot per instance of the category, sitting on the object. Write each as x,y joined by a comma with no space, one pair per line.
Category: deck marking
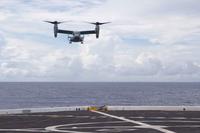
135,122
170,121
58,128
114,130
22,130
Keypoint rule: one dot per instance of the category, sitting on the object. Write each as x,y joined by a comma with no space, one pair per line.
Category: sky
148,40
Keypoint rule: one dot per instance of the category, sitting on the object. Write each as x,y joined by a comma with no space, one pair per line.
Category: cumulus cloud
154,40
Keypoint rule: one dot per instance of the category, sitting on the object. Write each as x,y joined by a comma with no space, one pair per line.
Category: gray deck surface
86,121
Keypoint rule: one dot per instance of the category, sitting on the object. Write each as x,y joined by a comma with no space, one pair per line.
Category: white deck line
136,122
21,130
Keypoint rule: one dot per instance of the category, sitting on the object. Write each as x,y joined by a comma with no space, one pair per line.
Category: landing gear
70,42
82,42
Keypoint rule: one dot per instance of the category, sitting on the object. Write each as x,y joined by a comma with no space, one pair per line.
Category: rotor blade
56,22
104,23
88,22
50,22
98,23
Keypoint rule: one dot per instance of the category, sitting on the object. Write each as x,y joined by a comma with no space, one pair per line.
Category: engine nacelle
97,29
55,30
97,35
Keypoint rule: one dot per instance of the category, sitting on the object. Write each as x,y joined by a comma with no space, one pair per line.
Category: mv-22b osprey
76,36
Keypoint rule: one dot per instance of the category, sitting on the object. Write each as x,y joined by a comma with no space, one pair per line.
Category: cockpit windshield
76,33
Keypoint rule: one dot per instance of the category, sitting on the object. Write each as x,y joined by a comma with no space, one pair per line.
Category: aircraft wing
88,32
65,31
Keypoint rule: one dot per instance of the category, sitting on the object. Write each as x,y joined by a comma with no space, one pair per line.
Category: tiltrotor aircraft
76,36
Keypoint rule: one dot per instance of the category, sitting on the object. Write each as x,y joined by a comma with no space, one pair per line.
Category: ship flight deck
113,119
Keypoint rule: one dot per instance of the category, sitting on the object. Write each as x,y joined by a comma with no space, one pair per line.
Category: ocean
59,94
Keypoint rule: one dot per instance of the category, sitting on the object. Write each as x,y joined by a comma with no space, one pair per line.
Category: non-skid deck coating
106,122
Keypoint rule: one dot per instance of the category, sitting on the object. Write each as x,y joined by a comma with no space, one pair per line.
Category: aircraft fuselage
76,37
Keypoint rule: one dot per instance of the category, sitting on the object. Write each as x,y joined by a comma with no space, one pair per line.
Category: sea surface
58,94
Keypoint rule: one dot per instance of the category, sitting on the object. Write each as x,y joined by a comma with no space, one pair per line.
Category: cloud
144,64
153,40
182,68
